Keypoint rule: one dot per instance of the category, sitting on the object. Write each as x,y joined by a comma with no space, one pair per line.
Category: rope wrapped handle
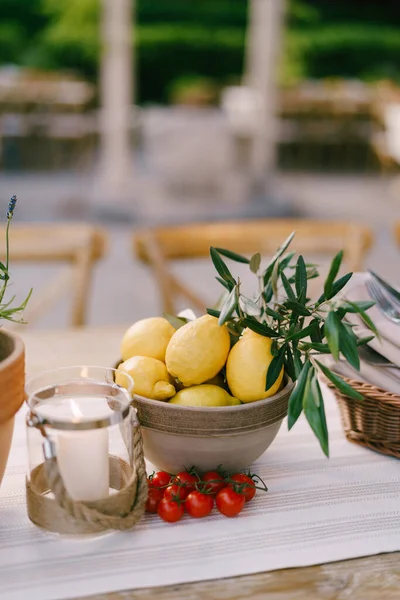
120,511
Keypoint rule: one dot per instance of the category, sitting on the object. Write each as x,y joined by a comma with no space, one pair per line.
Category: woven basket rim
370,391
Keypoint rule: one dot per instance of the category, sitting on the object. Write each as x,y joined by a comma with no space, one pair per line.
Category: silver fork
382,302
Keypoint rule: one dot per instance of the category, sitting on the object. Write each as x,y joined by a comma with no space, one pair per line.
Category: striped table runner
316,511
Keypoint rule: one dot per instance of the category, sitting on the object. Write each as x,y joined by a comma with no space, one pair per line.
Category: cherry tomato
159,480
153,500
199,505
216,482
170,511
172,492
229,503
246,486
186,479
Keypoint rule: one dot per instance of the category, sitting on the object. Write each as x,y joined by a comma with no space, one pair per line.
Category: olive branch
300,329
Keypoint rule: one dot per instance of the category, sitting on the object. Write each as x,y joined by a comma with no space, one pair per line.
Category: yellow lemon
204,395
197,351
147,337
150,377
247,366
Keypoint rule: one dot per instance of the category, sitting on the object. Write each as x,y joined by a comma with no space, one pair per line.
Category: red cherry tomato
215,482
199,505
170,511
153,499
174,492
245,485
229,503
187,479
159,480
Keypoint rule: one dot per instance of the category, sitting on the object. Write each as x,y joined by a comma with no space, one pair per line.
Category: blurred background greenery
196,47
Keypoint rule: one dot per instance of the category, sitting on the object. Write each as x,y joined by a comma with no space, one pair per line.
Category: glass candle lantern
79,429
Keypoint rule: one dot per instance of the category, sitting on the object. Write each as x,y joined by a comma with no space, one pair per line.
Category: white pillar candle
83,462
82,455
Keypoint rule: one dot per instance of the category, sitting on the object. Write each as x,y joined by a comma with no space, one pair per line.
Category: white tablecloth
317,510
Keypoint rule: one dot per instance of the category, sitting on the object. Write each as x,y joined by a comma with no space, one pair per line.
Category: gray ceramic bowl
176,436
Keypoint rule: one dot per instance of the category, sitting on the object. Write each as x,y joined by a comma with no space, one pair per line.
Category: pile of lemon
183,366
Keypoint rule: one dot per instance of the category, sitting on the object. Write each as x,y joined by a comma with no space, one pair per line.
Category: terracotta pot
12,389
177,437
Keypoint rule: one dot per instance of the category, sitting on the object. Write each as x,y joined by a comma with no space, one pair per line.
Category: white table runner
316,511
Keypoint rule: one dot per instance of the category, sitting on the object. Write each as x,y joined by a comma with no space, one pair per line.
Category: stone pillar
262,58
114,181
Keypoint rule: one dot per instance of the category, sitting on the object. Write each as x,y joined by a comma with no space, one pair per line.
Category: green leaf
278,254
275,368
284,262
260,328
314,411
288,288
336,287
338,382
333,271
213,312
331,331
298,365
296,397
317,346
289,364
359,306
233,255
273,313
297,307
3,267
249,307
316,335
226,285
268,292
255,262
298,335
348,345
364,340
228,307
175,321
360,310
221,267
301,279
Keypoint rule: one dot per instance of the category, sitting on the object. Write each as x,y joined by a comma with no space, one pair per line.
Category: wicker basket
373,422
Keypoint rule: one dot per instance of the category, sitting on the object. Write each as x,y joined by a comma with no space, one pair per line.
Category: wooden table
371,578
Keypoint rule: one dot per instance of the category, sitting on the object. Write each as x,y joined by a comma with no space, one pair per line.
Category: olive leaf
221,267
348,345
301,280
333,271
175,321
255,262
233,255
228,307
275,368
336,287
260,328
313,406
281,250
331,331
288,288
338,382
296,397
249,307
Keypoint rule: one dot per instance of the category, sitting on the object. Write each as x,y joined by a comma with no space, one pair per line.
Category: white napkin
389,344
385,378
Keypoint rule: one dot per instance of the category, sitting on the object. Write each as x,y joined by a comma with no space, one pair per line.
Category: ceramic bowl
178,437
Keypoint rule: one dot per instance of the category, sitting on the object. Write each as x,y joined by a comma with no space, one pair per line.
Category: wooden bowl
178,437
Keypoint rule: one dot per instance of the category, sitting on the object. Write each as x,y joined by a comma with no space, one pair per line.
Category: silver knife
389,289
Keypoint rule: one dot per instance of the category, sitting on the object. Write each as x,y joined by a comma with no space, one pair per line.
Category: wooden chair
157,247
78,245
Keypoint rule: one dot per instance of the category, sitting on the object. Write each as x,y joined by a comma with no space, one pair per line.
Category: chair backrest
75,244
158,246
